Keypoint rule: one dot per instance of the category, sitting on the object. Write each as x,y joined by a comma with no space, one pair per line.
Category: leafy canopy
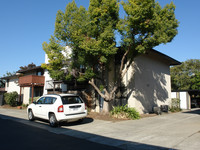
90,34
56,58
147,25
186,76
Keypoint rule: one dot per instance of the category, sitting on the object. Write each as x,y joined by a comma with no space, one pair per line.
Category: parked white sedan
58,108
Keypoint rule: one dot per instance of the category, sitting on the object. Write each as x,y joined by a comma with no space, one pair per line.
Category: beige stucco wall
148,84
26,94
13,85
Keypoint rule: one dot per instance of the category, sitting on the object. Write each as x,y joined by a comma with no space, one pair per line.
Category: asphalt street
167,131
18,136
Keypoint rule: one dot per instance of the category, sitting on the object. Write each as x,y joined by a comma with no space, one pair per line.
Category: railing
31,79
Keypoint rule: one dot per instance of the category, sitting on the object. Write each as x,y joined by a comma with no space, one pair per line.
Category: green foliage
56,58
11,98
24,105
9,74
91,35
101,87
147,25
186,76
175,105
125,112
29,66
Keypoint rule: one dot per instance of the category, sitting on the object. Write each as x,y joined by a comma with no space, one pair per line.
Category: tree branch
122,73
123,59
91,82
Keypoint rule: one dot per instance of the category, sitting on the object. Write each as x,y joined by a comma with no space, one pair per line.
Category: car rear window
71,100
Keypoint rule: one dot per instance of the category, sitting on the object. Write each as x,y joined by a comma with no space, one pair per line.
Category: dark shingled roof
30,69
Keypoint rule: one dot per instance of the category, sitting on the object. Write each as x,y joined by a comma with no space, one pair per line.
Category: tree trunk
109,96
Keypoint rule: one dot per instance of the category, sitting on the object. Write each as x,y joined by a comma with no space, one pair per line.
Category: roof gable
162,57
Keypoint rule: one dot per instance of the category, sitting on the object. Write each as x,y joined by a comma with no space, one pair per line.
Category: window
39,73
49,100
71,100
41,100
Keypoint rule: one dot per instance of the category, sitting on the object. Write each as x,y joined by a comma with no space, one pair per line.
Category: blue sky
26,24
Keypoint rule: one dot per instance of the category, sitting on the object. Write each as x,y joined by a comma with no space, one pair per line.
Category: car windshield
71,100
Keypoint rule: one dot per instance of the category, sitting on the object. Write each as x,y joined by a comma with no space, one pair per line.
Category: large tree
186,76
91,35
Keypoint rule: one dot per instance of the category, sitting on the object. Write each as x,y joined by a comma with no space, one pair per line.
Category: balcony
31,80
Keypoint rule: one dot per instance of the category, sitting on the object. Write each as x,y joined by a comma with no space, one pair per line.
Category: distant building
28,83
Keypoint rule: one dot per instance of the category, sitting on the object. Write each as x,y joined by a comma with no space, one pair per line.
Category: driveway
168,131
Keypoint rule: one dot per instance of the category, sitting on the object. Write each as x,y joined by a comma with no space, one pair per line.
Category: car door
39,107
47,106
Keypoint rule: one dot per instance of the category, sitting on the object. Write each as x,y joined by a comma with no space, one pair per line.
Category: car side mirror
34,102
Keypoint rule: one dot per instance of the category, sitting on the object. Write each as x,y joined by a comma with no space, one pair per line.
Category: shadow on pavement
75,123
122,144
193,111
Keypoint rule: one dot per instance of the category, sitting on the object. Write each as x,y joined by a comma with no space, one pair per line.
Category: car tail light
61,108
85,107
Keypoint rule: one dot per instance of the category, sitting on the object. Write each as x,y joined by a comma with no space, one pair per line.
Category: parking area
168,131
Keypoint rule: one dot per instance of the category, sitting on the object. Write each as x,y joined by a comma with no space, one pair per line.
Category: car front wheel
52,120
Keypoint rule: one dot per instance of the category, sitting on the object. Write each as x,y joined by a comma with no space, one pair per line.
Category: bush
24,105
125,112
175,105
11,98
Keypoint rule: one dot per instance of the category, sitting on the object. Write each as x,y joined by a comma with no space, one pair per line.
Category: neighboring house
188,98
28,83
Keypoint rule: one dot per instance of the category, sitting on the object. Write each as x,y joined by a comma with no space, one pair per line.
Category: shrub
25,105
11,98
125,112
175,105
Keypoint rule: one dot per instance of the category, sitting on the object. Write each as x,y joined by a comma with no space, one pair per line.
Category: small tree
175,105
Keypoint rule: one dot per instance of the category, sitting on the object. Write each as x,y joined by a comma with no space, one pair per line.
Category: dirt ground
108,117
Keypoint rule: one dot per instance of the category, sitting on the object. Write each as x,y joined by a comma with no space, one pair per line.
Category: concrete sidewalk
170,131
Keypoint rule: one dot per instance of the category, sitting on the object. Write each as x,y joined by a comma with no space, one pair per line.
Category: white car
58,108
